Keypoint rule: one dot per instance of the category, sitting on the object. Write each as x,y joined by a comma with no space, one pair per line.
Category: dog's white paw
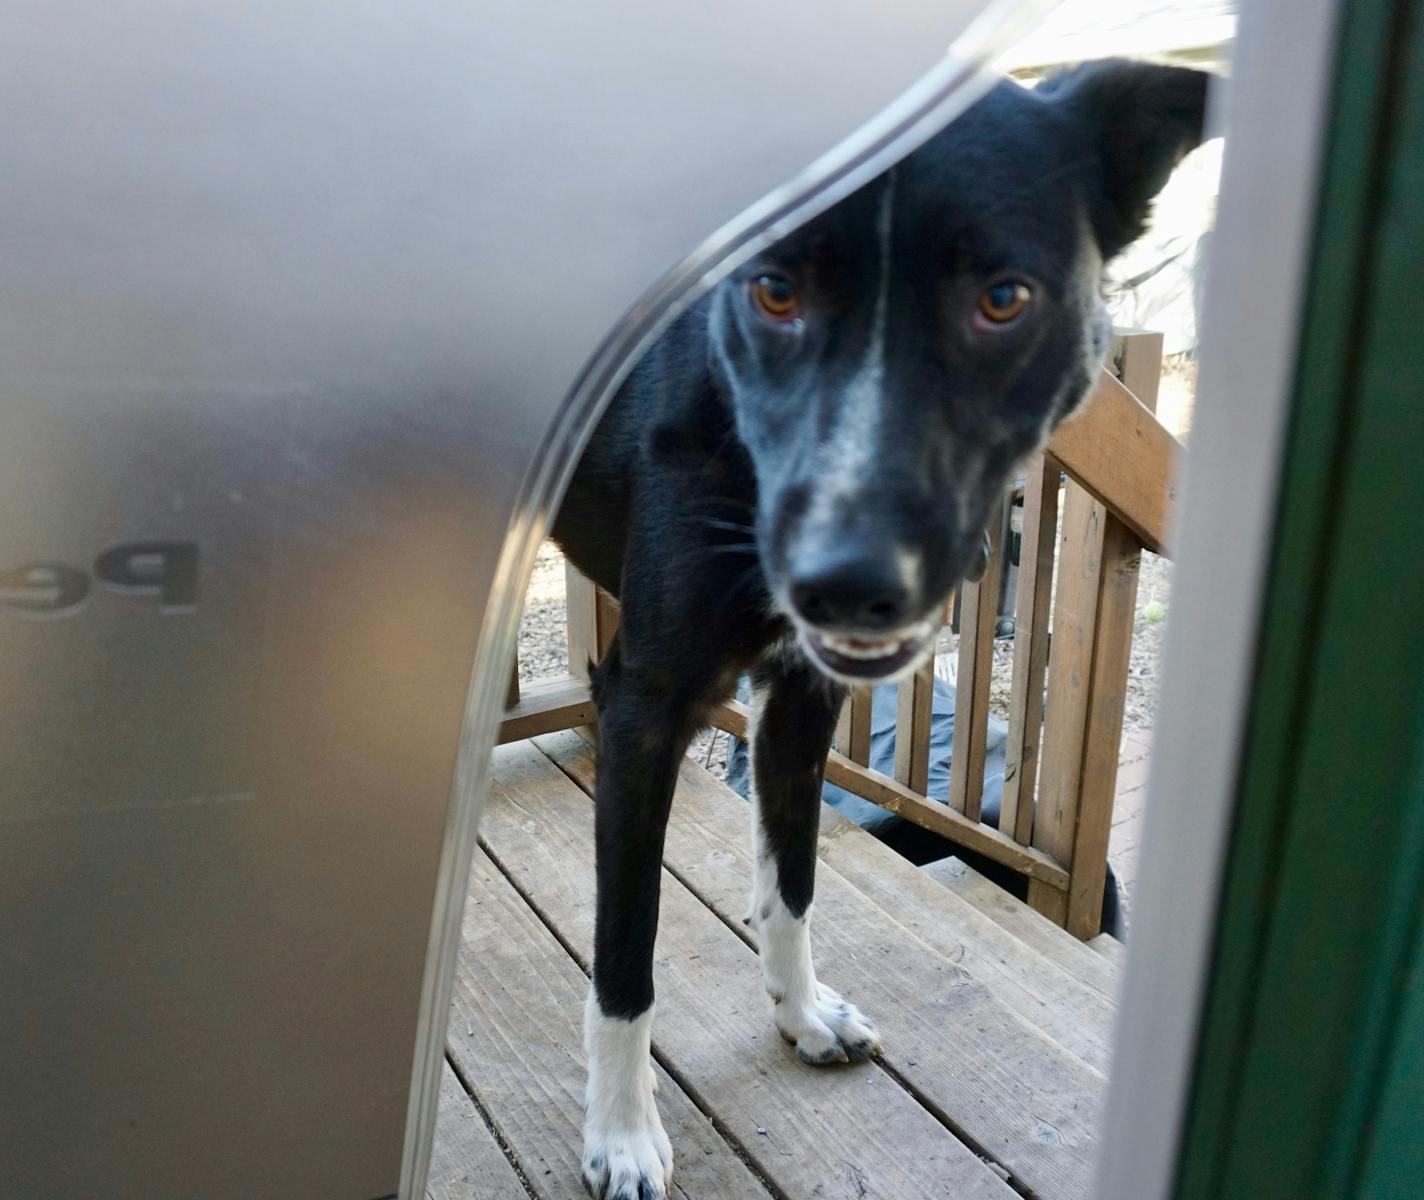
826,1028
626,1152
627,1164
822,1026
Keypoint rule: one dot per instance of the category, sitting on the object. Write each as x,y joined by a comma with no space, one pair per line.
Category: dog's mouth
864,658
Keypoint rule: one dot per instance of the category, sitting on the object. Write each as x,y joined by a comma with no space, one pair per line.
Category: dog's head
892,361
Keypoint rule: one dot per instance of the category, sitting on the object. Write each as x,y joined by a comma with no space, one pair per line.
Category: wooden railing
1109,473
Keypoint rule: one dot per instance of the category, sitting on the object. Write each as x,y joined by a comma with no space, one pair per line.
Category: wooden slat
1118,450
1102,731
592,620
895,797
609,613
1037,545
466,1162
581,622
978,615
853,726
1137,364
913,718
547,706
511,695
708,849
839,1132
1069,683
735,718
515,1034
1050,941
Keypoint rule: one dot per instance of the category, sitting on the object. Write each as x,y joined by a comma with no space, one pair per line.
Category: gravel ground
543,648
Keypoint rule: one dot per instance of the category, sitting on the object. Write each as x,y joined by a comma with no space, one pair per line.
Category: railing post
1070,664
511,695
1102,730
914,709
978,613
1032,605
1092,628
853,727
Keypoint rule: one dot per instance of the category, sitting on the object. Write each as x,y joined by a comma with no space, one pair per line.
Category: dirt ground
543,650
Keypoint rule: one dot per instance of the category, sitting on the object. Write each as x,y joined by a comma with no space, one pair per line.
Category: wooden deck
996,1023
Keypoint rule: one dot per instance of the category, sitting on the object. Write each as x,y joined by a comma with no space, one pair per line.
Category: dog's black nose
852,592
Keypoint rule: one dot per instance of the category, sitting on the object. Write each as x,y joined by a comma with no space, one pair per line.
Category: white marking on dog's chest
809,1015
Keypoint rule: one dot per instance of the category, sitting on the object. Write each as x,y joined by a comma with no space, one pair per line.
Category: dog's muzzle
843,628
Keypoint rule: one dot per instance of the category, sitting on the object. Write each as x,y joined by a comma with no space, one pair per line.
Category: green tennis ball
1154,611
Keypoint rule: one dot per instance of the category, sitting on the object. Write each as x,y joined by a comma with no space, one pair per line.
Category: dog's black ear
1142,120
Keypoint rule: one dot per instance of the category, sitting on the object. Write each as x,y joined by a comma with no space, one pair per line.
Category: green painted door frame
1309,1074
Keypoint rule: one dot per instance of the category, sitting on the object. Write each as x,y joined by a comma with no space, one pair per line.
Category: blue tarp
882,758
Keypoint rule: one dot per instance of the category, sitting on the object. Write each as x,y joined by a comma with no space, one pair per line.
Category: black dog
795,477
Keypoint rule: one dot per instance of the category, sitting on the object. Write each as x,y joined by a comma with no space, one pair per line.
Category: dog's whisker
734,502
732,526
734,548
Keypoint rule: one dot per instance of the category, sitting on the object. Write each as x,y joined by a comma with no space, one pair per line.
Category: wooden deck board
468,1163
967,1012
516,1034
852,1131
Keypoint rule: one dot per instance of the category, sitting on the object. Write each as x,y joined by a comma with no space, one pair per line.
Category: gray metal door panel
291,297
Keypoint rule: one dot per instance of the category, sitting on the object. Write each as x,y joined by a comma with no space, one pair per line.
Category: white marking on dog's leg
822,1026
625,1148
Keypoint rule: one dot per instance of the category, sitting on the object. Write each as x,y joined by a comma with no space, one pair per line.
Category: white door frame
1274,109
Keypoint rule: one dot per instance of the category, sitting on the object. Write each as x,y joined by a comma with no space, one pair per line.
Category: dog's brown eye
1003,302
776,297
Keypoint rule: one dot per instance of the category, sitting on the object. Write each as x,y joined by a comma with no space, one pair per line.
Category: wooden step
1109,947
467,1163
1049,941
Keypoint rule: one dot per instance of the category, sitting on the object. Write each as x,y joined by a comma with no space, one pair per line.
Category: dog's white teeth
859,648
871,648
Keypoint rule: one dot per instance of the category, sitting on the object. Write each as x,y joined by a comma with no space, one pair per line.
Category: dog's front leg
626,1153
795,711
